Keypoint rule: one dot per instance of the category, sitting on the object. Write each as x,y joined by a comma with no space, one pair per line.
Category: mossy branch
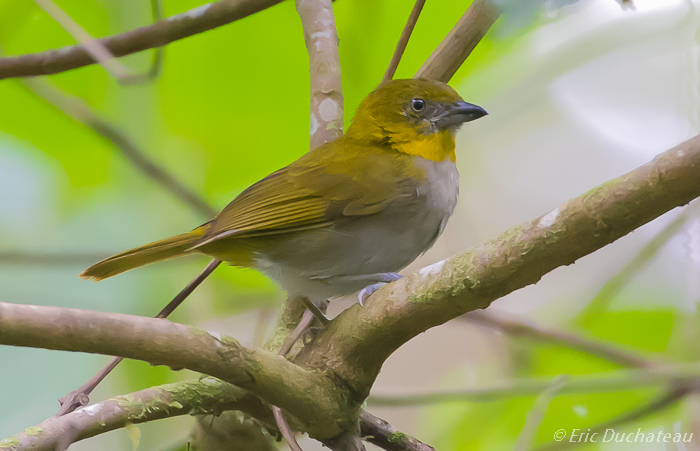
307,395
205,396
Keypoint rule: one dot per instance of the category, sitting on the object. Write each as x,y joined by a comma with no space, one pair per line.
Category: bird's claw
367,291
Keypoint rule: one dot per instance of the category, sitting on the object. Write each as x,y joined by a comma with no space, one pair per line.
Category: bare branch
519,257
403,40
309,396
610,381
78,110
321,40
460,42
197,20
532,331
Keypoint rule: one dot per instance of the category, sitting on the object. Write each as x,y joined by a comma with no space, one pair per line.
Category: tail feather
143,255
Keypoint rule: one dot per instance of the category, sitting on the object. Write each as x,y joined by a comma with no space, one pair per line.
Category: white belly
383,242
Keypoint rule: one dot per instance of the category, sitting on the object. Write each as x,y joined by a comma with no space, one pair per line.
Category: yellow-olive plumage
343,215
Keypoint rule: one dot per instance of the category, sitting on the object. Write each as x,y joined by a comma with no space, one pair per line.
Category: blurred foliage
230,107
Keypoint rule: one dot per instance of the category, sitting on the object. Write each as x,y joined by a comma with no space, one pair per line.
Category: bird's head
414,116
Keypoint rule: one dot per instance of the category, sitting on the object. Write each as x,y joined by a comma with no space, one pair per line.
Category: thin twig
403,40
156,67
321,40
281,422
80,397
530,330
459,43
536,414
95,48
657,405
78,110
197,20
610,381
623,277
102,54
285,430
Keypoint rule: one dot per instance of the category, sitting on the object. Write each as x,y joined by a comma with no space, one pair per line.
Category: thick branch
310,397
459,43
321,40
355,345
197,20
204,396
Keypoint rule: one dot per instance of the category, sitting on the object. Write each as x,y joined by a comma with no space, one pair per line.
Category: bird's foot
384,278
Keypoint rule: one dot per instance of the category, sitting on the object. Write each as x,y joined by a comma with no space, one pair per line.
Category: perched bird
346,215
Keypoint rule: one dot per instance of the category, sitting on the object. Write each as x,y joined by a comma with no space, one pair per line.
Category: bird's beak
455,114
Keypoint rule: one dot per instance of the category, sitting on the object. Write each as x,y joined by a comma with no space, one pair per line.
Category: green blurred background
578,93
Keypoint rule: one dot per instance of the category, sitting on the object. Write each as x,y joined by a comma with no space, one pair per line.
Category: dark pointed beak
455,114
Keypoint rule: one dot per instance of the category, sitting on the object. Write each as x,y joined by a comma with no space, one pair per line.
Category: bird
347,215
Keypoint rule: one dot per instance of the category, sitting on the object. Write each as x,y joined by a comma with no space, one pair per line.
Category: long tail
140,256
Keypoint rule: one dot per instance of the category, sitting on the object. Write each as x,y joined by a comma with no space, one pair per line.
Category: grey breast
383,242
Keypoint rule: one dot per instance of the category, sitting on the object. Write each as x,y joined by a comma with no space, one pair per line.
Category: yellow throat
435,146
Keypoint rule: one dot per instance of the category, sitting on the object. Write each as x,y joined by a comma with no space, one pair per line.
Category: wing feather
317,190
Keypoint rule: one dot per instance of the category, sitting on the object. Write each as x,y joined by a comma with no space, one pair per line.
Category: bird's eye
417,105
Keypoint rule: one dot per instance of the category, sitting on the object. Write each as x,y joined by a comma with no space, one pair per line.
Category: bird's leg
315,311
379,280
384,278
80,397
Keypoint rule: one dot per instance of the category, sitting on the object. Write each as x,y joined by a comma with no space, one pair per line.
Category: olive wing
323,186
